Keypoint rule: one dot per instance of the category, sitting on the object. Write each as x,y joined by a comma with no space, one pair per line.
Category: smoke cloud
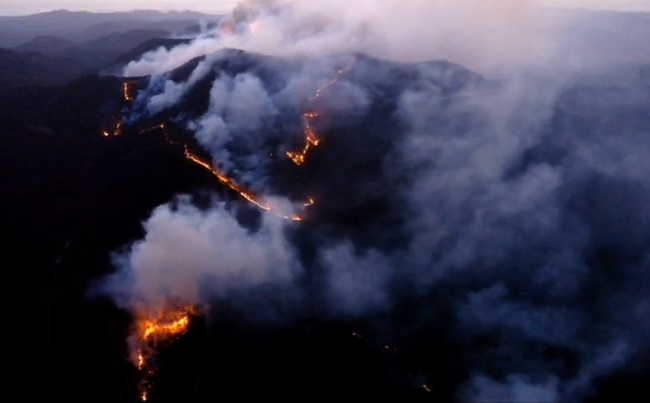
477,34
188,252
515,205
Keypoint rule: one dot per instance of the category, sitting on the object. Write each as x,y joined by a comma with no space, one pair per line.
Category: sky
22,7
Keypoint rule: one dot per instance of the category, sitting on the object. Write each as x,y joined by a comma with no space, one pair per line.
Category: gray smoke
479,34
187,249
517,204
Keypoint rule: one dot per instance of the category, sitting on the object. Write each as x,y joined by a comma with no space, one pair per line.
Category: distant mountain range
78,27
61,63
57,47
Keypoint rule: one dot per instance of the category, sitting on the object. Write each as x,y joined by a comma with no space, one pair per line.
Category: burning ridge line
155,329
311,138
223,178
236,187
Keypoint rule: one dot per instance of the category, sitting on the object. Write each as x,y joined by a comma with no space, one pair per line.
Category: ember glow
150,129
127,92
118,128
333,81
127,89
453,187
222,177
155,329
236,187
311,138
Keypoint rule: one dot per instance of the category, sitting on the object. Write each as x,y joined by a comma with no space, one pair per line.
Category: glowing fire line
172,321
311,138
231,183
152,330
126,89
235,186
150,129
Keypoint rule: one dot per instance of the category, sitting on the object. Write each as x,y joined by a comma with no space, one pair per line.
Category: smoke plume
515,203
478,34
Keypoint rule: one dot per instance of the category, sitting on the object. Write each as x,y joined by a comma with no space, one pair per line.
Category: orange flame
126,89
333,81
236,187
231,183
116,131
127,93
311,138
150,129
118,128
154,329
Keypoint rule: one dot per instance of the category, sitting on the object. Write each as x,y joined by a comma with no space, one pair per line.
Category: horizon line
214,13
225,10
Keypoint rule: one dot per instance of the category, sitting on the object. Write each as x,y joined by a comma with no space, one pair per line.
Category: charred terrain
421,269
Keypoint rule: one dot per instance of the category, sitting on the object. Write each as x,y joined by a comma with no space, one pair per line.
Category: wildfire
115,132
156,328
150,129
118,128
298,157
224,179
153,330
333,81
236,187
127,93
311,138
126,89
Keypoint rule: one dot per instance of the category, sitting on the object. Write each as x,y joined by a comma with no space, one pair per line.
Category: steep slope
454,231
25,69
71,196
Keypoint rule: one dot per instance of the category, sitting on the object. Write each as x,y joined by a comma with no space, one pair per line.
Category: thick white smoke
493,181
480,34
188,254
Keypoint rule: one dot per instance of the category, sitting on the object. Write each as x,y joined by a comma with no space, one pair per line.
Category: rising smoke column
510,204
479,34
160,278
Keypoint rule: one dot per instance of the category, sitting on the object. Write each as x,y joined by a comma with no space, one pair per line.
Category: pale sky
21,7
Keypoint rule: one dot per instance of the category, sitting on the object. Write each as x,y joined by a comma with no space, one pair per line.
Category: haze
22,7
